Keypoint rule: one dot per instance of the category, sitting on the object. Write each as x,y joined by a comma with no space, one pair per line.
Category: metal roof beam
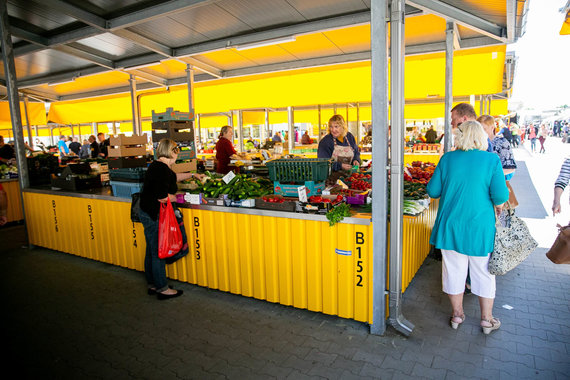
155,11
80,53
144,42
76,12
467,19
109,91
204,67
148,77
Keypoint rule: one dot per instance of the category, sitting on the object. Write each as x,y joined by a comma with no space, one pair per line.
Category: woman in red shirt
225,149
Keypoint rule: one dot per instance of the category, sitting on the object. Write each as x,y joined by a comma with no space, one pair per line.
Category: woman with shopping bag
156,200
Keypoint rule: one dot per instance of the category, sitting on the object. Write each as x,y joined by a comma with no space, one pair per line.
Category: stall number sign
359,241
53,206
90,213
197,237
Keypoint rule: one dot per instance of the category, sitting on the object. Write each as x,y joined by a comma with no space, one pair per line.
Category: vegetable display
338,213
242,186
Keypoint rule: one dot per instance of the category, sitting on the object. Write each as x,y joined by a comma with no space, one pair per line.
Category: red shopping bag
169,234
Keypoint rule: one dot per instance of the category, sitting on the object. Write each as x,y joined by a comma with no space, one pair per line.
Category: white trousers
454,274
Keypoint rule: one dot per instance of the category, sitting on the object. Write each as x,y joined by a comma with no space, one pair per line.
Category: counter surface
105,193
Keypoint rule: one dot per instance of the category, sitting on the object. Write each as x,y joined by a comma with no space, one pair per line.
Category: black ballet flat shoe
162,296
152,292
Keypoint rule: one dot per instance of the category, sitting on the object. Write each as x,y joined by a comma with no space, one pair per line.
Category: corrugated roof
67,40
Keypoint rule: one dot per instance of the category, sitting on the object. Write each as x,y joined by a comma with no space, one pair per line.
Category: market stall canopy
348,83
75,50
36,114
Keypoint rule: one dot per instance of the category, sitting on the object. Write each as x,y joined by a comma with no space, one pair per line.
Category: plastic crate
291,190
170,114
128,174
299,169
125,189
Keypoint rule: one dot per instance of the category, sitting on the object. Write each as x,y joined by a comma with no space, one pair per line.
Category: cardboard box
127,151
175,125
171,114
128,140
185,167
173,135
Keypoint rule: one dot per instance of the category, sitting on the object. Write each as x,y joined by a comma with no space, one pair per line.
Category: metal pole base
402,325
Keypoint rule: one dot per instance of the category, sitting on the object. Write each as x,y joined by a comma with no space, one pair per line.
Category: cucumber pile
242,186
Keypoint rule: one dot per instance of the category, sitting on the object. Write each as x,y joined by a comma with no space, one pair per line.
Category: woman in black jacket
159,186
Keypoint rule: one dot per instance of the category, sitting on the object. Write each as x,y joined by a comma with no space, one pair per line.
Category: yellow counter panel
295,259
12,189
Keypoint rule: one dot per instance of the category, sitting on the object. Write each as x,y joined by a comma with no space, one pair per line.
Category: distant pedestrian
85,150
532,138
542,137
75,146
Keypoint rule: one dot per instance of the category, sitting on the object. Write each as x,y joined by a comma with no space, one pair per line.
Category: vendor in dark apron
340,145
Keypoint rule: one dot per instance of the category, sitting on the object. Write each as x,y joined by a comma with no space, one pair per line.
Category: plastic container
170,114
128,174
299,169
290,190
125,189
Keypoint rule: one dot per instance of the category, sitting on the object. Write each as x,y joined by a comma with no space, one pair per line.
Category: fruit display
358,181
8,171
419,172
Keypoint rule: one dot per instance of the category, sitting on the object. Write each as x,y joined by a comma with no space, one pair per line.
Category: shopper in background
560,185
94,147
500,146
306,139
461,113
7,153
532,137
542,137
515,132
85,150
340,145
469,182
277,137
431,135
103,145
225,149
62,146
159,186
75,146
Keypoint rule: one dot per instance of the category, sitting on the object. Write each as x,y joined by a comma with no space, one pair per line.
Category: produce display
8,171
419,172
338,213
242,186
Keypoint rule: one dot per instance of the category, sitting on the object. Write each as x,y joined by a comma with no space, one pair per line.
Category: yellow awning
36,114
565,30
476,71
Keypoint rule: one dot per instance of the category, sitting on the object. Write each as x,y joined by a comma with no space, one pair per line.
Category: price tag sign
228,177
302,190
192,198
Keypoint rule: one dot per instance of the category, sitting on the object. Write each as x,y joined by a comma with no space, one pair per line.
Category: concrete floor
66,317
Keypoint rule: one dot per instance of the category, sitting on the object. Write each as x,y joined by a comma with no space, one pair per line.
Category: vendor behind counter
340,145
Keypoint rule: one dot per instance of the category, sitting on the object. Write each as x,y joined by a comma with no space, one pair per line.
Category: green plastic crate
299,169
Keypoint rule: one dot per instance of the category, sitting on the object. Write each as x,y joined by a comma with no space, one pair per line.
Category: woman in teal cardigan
471,186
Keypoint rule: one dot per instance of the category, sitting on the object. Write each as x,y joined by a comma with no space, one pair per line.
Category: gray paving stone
420,370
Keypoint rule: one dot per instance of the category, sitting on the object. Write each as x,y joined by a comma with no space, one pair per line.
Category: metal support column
240,128
14,102
481,110
198,131
79,132
269,134
13,98
51,134
137,130
449,37
358,123
291,125
320,123
379,55
30,139
397,51
190,84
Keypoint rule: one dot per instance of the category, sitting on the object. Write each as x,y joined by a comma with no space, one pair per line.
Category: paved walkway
67,317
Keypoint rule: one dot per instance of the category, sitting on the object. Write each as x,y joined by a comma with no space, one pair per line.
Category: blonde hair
339,119
165,148
470,135
487,120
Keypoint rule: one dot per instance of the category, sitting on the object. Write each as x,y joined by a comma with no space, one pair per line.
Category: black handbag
135,207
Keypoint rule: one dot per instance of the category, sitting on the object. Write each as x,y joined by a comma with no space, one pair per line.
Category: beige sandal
495,324
454,324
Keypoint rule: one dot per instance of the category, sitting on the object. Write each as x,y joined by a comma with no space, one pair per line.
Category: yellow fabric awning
476,71
565,30
36,114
